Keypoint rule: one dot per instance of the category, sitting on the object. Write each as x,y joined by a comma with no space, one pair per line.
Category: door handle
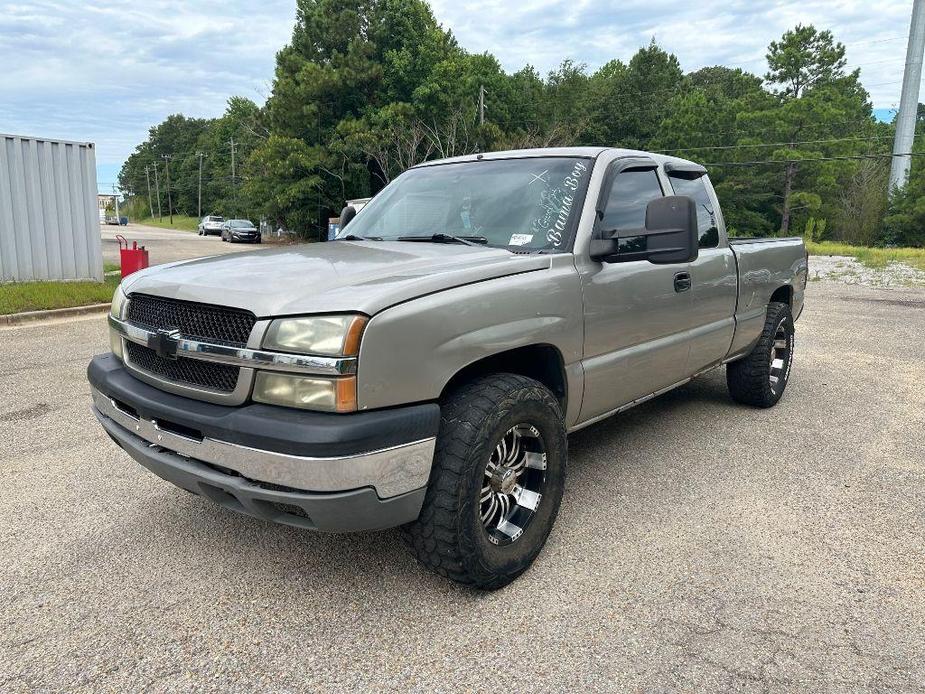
682,281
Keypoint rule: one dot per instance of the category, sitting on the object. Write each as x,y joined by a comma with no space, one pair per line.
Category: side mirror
670,235
347,214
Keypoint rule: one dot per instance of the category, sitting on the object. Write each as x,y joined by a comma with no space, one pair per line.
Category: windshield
530,204
237,223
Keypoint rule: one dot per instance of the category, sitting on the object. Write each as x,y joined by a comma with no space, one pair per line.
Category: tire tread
747,378
435,538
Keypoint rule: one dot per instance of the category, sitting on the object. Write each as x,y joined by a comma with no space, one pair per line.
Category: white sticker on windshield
520,239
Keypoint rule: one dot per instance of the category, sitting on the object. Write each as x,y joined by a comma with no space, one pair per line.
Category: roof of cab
592,152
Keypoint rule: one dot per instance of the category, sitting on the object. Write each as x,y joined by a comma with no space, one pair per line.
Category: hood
340,276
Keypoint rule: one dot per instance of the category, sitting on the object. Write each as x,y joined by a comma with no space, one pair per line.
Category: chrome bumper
390,471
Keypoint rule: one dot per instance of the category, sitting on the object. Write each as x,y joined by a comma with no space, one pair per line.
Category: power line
777,144
812,159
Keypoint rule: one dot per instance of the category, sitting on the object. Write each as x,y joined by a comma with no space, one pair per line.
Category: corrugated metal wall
49,221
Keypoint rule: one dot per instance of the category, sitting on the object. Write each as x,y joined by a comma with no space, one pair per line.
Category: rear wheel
496,482
760,378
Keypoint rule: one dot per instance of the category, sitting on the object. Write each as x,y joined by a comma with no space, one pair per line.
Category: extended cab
424,369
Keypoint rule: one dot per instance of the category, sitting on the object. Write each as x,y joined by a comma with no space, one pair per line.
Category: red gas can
131,259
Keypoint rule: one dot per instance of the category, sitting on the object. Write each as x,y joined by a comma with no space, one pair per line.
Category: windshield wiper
447,238
354,237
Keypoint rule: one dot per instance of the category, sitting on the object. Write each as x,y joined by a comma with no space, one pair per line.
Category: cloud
710,32
107,72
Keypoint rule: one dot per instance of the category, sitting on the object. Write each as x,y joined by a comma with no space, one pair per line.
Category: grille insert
195,372
195,321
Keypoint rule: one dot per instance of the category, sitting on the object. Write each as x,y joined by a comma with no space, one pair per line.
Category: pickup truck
425,368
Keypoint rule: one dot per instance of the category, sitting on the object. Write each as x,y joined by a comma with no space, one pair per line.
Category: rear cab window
694,186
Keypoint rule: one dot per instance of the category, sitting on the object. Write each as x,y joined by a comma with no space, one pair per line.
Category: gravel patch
847,270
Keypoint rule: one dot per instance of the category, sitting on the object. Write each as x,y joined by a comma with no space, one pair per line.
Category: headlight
335,336
309,393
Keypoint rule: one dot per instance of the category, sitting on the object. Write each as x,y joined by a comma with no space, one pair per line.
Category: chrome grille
193,372
195,321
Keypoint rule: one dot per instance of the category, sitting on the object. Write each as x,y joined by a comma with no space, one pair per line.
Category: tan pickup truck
424,369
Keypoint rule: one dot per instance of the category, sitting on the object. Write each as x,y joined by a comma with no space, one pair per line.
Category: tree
367,88
176,136
806,72
803,59
628,102
337,86
861,204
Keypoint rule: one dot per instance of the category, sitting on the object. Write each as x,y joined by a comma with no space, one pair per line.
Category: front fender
411,351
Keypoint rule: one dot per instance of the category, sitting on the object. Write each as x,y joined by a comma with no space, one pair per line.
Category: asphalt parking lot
166,245
701,546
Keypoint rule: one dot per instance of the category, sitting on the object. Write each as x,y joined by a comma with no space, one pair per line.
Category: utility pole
482,107
115,190
167,159
157,187
234,189
909,102
199,206
150,201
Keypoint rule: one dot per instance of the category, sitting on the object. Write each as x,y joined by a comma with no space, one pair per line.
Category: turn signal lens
115,344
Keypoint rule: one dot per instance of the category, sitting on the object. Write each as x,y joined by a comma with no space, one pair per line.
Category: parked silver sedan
211,224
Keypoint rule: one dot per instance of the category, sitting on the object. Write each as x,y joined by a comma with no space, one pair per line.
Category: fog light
306,392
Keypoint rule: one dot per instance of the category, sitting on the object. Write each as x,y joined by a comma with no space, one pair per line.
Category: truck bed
768,268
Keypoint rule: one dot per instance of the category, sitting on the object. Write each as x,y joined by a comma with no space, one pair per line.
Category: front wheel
496,482
760,377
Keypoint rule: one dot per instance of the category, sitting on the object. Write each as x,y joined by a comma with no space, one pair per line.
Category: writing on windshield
530,203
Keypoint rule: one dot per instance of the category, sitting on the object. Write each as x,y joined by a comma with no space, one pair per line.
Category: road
701,546
166,245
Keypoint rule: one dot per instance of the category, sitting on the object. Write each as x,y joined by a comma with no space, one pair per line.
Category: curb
37,316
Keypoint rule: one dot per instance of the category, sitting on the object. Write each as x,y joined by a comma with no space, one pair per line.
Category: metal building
49,223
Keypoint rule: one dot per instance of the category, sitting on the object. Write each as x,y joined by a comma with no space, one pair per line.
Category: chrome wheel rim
513,484
780,358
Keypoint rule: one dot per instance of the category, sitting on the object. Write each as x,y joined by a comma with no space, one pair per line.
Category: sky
106,72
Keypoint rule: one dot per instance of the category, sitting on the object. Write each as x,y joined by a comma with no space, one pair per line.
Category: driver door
636,312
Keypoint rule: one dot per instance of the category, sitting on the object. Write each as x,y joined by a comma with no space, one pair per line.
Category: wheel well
540,362
783,295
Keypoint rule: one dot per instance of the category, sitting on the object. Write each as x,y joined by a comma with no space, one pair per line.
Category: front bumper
362,471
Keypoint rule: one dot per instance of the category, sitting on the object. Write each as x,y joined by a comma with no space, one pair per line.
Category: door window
630,194
706,216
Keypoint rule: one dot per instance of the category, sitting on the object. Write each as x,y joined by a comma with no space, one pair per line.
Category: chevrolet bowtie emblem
164,343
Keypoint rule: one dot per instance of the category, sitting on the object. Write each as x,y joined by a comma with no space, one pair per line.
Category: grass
871,257
16,297
180,222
